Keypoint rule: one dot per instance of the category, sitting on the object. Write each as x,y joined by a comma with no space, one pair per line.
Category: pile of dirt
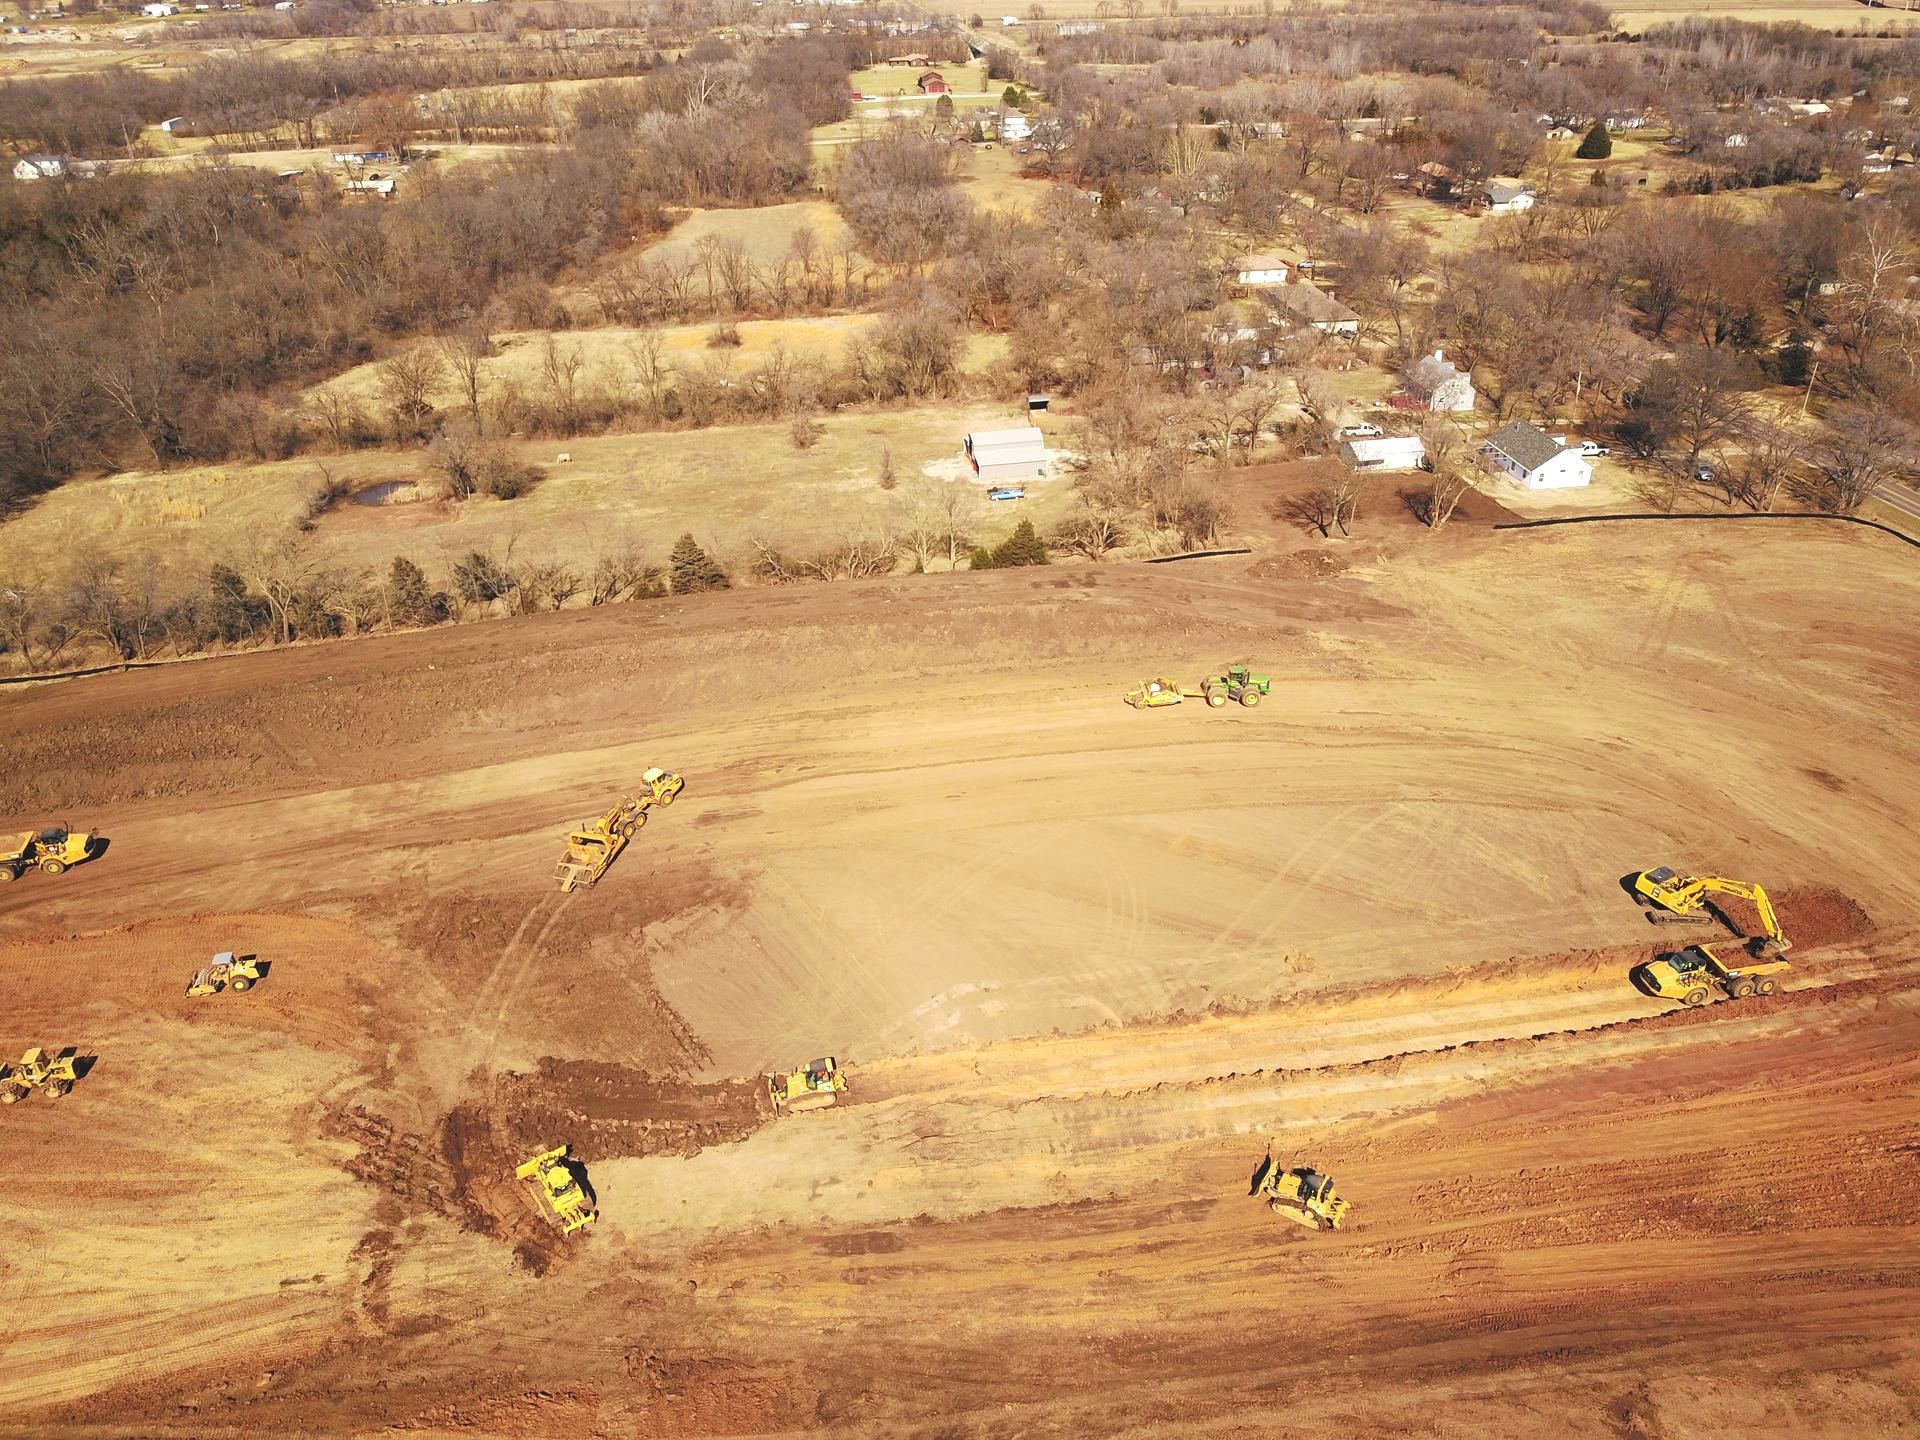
1820,915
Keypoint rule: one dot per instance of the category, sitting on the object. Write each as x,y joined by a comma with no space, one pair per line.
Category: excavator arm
1776,938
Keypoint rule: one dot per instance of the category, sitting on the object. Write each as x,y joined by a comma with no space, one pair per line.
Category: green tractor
1239,685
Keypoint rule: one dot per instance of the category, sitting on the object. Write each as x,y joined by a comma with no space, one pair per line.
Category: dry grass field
729,484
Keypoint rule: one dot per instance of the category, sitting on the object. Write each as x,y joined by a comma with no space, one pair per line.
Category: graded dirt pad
1083,967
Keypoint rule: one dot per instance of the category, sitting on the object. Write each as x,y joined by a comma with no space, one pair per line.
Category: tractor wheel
53,866
240,982
1250,698
59,1088
7,872
1695,997
666,796
1764,985
1216,698
11,1095
1741,988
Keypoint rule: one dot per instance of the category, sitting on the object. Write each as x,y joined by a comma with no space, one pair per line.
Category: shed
1007,454
1535,459
933,83
1384,452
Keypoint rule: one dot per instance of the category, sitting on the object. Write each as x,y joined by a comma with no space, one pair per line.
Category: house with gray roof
1435,383
1305,304
1531,457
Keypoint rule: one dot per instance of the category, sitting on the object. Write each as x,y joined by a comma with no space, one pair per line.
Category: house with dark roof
1528,455
1435,383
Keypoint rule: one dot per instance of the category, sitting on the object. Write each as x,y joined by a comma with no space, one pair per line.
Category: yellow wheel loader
1673,899
225,972
1692,975
53,851
38,1070
556,1191
819,1085
1301,1195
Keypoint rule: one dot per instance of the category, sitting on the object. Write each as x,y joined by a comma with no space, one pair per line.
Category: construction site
875,1009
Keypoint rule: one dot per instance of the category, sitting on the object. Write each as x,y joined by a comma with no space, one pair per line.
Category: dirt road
1083,966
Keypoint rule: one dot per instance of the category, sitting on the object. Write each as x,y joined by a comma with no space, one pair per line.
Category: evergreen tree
1012,98
691,568
233,612
407,598
481,579
1598,145
1023,547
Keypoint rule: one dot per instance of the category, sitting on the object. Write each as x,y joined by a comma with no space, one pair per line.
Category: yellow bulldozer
1301,1195
1673,899
597,843
225,971
51,851
819,1085
37,1070
1692,975
556,1190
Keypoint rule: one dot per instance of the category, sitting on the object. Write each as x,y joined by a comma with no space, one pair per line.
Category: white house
1383,452
175,125
1305,305
1007,454
39,167
1503,199
1015,126
1535,459
1435,383
1260,270
1007,22
159,11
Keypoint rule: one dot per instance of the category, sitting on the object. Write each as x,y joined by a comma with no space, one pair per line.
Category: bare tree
1865,447
407,381
465,354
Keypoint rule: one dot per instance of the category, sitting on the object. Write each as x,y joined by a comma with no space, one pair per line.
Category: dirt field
1083,966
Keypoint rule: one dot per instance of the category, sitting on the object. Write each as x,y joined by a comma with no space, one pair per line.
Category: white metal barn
1007,454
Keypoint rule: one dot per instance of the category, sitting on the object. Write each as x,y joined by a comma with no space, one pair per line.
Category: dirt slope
1083,965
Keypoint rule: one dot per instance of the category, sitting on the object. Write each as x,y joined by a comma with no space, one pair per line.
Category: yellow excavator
819,1085
51,851
1673,899
1301,1195
557,1192
1694,973
38,1070
596,844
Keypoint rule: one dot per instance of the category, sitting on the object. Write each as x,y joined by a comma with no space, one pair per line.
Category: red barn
933,83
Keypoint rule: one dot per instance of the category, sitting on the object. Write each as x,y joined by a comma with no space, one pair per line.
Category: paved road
1901,497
